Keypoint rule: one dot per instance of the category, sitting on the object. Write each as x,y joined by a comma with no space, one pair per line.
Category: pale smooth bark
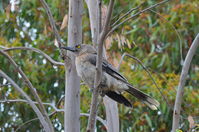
72,88
100,39
112,116
180,91
93,8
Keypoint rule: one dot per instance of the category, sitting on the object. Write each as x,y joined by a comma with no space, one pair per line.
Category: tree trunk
72,88
180,91
112,116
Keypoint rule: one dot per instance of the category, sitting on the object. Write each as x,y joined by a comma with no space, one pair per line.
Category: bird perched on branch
112,82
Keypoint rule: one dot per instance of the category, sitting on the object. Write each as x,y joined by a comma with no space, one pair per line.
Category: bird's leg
92,88
101,91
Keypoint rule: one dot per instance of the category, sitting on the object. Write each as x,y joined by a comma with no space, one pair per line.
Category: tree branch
81,115
148,72
47,57
51,105
179,95
126,14
94,103
32,89
52,22
34,119
25,101
135,15
176,31
56,33
34,107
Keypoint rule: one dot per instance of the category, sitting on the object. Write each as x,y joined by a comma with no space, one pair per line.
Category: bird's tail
149,101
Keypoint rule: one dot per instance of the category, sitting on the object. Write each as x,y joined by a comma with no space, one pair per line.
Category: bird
112,84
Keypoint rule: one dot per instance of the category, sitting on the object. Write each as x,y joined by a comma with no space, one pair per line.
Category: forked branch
34,107
135,15
95,95
32,89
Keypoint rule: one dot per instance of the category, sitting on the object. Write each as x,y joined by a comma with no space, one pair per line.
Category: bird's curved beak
73,49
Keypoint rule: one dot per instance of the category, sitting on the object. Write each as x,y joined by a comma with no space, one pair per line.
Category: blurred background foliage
160,38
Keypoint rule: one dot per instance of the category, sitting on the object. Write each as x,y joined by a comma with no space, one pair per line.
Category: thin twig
117,15
34,119
176,31
148,72
54,112
135,15
25,101
126,14
179,95
52,22
56,63
3,85
94,103
98,118
62,52
60,100
34,107
32,89
51,105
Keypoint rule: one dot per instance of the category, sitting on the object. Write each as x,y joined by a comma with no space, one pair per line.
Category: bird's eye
78,46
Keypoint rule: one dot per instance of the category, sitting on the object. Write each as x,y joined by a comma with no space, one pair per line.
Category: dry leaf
56,43
8,9
119,42
115,62
64,22
123,41
128,43
108,42
45,30
191,121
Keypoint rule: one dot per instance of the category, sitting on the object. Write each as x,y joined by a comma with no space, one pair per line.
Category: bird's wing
108,68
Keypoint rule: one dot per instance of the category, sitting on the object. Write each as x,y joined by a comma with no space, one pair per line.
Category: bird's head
80,49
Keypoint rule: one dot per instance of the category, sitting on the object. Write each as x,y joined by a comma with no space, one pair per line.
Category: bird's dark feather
118,98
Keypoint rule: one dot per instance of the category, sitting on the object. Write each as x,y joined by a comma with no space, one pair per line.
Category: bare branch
34,107
52,22
34,119
3,85
56,63
176,31
60,100
126,14
25,101
56,33
94,103
179,95
148,72
51,105
135,15
33,90
81,115
98,118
